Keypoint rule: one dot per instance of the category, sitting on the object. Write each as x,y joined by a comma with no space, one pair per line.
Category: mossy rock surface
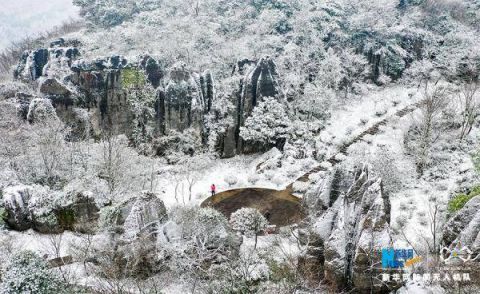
3,216
132,77
66,218
459,201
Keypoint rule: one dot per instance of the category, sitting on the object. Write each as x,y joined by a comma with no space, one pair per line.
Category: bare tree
469,103
54,248
112,165
436,224
50,148
427,127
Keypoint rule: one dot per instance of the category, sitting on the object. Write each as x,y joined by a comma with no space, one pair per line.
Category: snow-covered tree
26,272
427,127
315,102
231,180
354,69
330,70
268,124
248,221
112,12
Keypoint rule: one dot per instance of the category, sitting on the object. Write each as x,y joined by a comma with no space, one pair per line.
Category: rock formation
256,80
351,230
15,200
181,104
41,110
464,226
183,101
142,212
46,211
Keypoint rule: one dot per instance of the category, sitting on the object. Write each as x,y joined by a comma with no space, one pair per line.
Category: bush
457,202
248,221
253,179
231,180
26,272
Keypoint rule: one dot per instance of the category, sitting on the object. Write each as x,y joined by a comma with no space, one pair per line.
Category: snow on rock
351,226
41,110
143,211
15,201
48,211
464,226
319,196
169,232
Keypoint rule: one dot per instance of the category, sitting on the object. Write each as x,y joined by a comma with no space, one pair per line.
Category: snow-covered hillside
264,146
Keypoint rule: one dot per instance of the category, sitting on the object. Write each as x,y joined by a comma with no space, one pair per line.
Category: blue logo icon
395,258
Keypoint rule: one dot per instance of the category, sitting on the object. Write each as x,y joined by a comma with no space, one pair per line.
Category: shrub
457,202
231,180
248,221
253,179
132,77
26,272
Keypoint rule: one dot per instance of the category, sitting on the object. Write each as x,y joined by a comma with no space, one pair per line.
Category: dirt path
373,130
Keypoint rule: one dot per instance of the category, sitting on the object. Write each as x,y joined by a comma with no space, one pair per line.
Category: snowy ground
410,204
348,120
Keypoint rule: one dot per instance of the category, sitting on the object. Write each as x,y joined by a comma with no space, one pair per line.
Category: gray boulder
15,201
79,213
41,110
169,232
143,212
49,212
52,87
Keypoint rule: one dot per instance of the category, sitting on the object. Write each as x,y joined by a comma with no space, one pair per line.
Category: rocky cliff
94,96
352,228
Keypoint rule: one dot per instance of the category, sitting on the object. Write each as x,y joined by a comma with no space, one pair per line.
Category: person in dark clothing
213,189
267,215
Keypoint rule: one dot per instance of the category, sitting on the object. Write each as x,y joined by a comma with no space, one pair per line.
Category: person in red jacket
212,189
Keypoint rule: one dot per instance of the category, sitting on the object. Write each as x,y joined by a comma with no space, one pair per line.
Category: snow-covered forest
255,146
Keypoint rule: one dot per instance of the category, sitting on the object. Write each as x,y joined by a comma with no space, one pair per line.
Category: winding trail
282,206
